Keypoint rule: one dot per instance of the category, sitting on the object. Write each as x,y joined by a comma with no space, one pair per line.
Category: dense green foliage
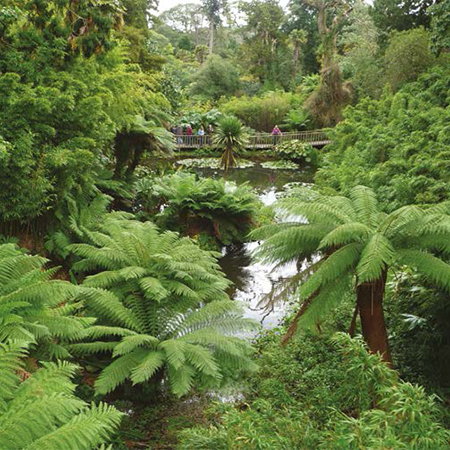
165,309
397,145
301,398
407,56
94,95
40,411
261,113
216,78
200,207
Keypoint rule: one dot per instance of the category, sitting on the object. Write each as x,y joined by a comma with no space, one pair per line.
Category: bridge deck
316,138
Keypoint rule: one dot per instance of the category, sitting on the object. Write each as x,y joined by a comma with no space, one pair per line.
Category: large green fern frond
366,205
344,234
339,264
42,412
432,268
376,257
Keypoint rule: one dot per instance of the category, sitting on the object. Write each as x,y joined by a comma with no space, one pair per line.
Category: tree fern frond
148,366
42,412
431,267
314,212
292,243
175,352
129,343
399,218
118,371
181,380
86,430
202,360
344,234
334,267
328,298
376,257
366,205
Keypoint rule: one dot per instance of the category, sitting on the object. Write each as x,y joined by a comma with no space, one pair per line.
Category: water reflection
254,280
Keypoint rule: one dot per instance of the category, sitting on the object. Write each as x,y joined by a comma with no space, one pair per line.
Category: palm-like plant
40,411
230,135
33,306
191,205
165,312
357,244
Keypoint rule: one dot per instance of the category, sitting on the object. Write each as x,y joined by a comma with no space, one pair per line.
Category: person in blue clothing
201,133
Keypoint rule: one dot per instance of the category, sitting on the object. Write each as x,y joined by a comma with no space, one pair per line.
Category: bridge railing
262,140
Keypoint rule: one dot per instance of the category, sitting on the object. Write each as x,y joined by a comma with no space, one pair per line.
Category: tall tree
358,246
187,18
302,16
359,61
440,27
327,102
213,10
297,39
139,12
400,15
263,37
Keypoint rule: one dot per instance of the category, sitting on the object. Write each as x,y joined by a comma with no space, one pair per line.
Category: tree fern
165,310
356,239
195,205
34,307
42,413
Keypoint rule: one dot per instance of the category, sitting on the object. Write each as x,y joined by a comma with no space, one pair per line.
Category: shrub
297,151
302,398
407,56
217,77
397,145
260,113
200,206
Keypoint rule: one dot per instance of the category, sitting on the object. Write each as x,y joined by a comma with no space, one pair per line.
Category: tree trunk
296,57
370,305
211,37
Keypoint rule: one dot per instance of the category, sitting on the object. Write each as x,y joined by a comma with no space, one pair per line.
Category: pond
253,280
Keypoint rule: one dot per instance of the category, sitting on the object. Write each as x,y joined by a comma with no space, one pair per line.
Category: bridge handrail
257,140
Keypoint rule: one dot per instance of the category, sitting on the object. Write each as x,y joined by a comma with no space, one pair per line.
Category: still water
252,279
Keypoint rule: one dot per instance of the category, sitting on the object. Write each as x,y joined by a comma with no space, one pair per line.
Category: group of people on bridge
183,133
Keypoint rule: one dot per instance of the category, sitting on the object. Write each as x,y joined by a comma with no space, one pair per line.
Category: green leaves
42,411
376,258
166,310
35,308
357,242
432,268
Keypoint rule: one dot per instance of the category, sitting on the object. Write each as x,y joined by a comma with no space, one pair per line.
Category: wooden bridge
316,138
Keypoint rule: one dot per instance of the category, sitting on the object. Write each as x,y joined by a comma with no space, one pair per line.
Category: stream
253,280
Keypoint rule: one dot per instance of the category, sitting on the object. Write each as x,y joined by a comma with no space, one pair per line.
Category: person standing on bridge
179,133
201,133
189,133
276,133
209,132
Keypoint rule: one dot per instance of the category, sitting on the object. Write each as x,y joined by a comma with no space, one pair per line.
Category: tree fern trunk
370,305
